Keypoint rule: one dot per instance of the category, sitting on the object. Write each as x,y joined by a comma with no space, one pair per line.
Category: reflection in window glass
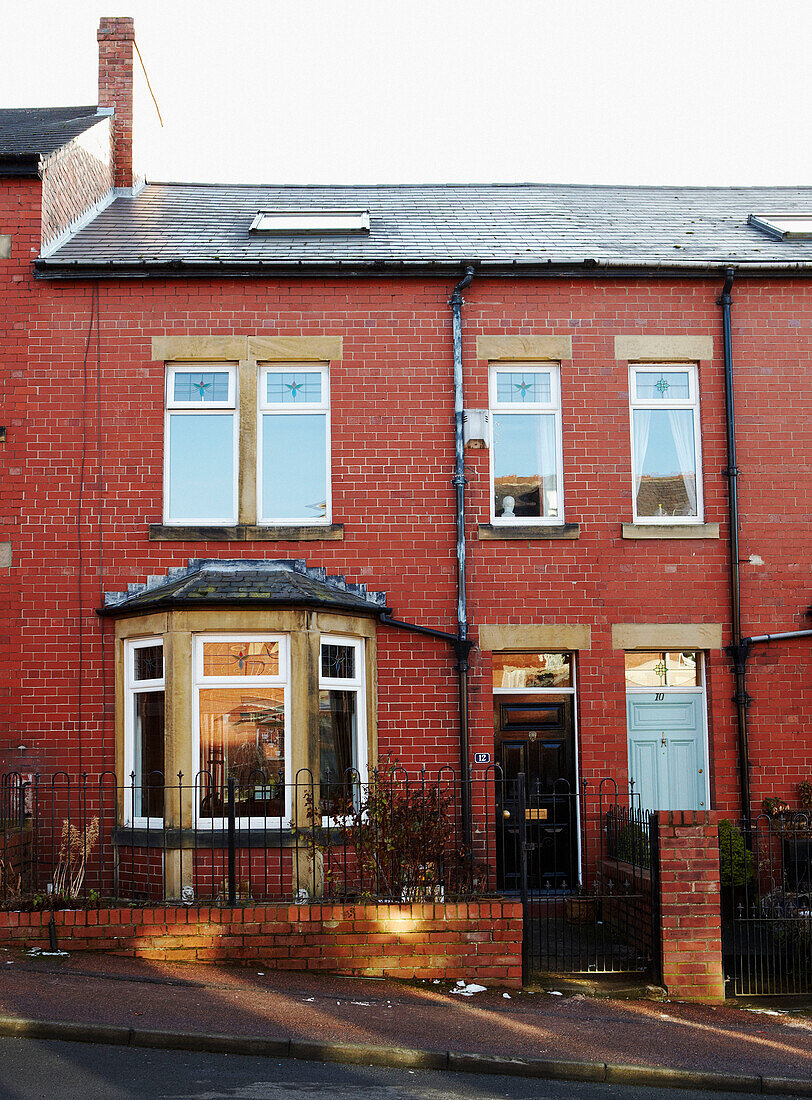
664,462
242,736
525,462
338,751
148,756
294,467
201,467
656,669
201,386
255,658
519,671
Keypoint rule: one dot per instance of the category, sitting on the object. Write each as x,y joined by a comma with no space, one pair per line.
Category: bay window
342,729
666,452
144,730
241,704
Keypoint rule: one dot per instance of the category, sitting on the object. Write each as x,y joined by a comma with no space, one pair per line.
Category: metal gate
766,875
587,869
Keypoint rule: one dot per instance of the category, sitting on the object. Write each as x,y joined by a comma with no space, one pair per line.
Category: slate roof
201,228
248,583
31,132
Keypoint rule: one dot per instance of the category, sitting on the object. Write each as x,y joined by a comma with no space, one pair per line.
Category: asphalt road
30,1070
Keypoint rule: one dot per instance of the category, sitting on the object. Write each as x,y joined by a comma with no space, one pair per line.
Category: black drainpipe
739,648
464,644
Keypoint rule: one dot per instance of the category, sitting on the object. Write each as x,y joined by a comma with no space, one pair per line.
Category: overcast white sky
375,91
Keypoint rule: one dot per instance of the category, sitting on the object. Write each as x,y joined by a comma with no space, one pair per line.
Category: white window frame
283,679
133,687
692,403
356,684
285,408
701,690
173,408
552,406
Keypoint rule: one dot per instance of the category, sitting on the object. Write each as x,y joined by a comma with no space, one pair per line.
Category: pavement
755,1048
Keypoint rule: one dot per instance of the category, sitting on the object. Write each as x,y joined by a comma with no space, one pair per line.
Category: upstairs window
293,470
666,459
783,227
310,222
526,462
200,475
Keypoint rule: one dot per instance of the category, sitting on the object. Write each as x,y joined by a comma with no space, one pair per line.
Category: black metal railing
766,880
398,836
585,858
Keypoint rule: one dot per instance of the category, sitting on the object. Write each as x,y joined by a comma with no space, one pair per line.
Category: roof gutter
588,268
19,165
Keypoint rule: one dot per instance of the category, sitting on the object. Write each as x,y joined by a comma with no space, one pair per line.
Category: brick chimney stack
116,37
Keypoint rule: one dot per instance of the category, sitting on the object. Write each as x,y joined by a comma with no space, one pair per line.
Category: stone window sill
489,532
670,531
245,532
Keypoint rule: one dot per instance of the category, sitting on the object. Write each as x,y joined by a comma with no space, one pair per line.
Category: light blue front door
667,752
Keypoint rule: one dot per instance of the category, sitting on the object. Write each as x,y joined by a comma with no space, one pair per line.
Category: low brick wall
479,941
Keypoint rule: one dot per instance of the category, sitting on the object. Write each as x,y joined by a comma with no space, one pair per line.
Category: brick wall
477,941
392,439
690,915
75,178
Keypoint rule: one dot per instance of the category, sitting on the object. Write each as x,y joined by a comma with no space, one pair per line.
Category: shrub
735,861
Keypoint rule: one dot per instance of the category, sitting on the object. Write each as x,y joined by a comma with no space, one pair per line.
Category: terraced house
511,481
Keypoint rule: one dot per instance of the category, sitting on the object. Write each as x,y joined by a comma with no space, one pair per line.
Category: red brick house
246,428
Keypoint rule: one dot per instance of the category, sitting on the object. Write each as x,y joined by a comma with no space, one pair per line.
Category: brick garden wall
477,941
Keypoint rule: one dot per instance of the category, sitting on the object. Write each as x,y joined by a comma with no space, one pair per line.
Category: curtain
547,466
642,432
682,429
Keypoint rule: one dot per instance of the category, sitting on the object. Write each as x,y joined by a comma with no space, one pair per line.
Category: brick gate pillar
690,917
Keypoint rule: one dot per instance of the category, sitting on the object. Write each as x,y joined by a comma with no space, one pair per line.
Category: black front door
534,738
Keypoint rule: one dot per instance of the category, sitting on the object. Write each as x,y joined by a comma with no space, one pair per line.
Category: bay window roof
245,583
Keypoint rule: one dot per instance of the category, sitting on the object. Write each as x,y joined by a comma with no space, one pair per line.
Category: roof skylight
783,227
310,221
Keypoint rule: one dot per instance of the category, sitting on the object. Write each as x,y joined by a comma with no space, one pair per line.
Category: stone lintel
665,349
529,348
670,530
495,637
666,636
489,532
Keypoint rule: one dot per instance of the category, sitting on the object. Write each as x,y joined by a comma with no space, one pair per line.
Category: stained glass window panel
663,386
528,387
201,467
201,386
519,671
148,662
255,658
525,466
338,662
294,467
242,736
294,387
